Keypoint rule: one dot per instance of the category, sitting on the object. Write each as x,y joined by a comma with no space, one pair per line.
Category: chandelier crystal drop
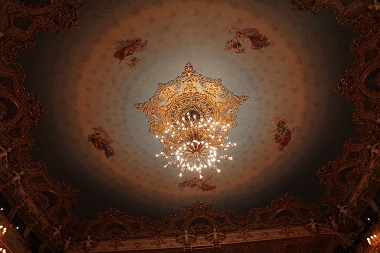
195,144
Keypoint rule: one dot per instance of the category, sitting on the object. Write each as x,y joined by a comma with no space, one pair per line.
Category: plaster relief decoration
283,135
187,240
88,244
101,141
125,48
192,116
251,37
215,238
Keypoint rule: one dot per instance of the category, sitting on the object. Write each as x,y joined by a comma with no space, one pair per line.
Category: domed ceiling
81,83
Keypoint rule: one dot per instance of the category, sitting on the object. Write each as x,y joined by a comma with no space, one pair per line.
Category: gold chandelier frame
190,92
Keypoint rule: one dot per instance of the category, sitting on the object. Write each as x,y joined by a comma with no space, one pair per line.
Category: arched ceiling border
360,154
40,201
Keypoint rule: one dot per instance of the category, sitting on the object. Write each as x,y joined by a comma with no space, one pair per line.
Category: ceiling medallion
192,116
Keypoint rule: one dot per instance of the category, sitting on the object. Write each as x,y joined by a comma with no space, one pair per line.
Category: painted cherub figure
101,141
283,135
251,37
128,47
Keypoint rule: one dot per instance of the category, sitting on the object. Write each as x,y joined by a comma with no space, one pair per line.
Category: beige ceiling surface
84,86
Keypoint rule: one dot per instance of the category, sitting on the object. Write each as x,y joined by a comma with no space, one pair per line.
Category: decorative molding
352,178
286,217
37,198
191,92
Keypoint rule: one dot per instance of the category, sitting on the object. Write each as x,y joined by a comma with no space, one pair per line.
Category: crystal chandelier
192,116
195,143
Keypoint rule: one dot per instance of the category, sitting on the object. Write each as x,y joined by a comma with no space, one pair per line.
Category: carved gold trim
187,92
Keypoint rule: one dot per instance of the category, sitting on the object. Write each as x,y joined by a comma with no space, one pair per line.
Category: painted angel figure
128,47
283,134
197,181
251,37
101,141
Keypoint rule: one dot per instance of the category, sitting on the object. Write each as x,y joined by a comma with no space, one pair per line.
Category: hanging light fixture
192,116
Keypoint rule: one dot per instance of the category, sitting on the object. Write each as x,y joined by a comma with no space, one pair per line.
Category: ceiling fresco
78,165
83,84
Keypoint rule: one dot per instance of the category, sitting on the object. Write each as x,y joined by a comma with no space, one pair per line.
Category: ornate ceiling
86,87
301,68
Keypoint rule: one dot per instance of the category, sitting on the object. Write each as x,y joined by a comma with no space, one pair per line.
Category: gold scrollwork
191,92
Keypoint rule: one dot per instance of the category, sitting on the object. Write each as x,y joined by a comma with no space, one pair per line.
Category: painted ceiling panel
82,85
